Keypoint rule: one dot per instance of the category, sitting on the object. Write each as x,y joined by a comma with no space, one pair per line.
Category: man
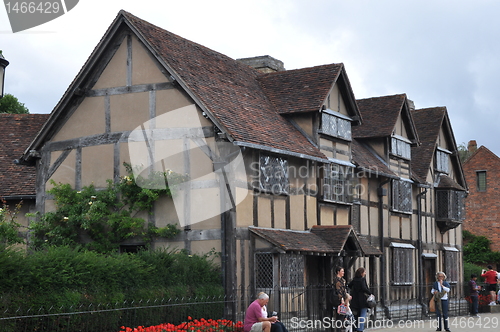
254,320
474,295
491,279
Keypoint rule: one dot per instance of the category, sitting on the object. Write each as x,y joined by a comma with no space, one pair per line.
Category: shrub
100,219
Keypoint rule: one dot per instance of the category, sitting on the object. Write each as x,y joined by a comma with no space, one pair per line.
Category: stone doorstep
493,308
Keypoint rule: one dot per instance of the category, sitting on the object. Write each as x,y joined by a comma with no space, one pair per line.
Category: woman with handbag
360,292
440,290
340,297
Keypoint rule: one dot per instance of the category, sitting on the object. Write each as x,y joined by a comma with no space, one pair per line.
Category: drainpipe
421,288
381,192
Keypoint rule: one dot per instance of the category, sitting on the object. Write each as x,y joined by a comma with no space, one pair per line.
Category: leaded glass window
400,148
335,126
402,264
264,270
450,205
442,161
451,264
401,196
337,183
292,270
273,174
481,180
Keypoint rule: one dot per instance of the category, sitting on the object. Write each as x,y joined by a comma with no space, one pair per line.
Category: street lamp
3,64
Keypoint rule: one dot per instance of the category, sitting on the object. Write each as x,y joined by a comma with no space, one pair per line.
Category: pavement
485,321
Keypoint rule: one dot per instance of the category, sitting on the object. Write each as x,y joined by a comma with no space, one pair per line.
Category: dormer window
400,147
442,160
336,124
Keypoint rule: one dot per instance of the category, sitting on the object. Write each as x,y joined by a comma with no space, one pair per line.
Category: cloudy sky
440,52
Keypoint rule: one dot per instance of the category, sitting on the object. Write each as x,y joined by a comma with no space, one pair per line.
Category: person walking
339,293
440,290
359,292
491,278
474,295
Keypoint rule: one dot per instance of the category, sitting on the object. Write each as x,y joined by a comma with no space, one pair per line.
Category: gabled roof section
305,90
319,240
482,152
380,115
367,160
228,91
17,181
429,122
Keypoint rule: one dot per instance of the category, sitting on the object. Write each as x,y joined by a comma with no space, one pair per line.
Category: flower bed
196,325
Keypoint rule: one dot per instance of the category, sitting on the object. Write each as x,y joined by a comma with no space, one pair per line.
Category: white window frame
401,147
443,160
336,124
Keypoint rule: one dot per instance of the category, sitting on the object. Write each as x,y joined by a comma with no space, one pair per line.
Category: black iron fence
299,308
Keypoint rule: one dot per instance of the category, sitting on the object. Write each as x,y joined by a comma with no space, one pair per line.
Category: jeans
444,314
361,318
474,306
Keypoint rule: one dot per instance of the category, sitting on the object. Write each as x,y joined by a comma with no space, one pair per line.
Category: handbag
432,304
370,301
342,309
335,297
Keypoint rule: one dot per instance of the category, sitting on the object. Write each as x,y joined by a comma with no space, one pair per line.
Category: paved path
486,321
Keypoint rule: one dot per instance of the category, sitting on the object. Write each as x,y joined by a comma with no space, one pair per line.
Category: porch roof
339,240
446,182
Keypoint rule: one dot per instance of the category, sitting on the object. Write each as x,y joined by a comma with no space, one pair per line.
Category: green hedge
62,277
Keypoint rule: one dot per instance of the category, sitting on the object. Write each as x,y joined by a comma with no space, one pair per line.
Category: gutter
421,288
381,192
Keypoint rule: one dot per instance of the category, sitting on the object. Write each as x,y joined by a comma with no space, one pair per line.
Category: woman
360,291
440,290
491,277
340,295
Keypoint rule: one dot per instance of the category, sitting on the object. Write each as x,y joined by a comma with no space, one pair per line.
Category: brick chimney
472,146
264,63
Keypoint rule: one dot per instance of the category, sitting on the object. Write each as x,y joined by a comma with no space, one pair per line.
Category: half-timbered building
289,174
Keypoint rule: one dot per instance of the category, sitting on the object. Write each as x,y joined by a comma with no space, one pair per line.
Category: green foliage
463,152
477,249
62,276
470,268
9,227
100,219
10,104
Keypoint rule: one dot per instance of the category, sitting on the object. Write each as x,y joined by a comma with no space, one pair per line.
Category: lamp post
3,64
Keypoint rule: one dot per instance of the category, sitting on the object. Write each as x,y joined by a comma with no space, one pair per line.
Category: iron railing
299,308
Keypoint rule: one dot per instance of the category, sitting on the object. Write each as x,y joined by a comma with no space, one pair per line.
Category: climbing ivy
9,227
101,219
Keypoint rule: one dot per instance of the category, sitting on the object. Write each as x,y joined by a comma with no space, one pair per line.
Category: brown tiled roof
428,122
301,90
379,116
327,240
230,90
446,182
368,160
17,132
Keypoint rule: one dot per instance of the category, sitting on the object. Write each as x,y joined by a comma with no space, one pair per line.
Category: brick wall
483,208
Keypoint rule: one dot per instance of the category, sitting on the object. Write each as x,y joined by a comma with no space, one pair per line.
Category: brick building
482,173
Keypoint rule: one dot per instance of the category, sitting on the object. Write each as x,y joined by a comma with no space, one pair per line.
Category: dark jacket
359,292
